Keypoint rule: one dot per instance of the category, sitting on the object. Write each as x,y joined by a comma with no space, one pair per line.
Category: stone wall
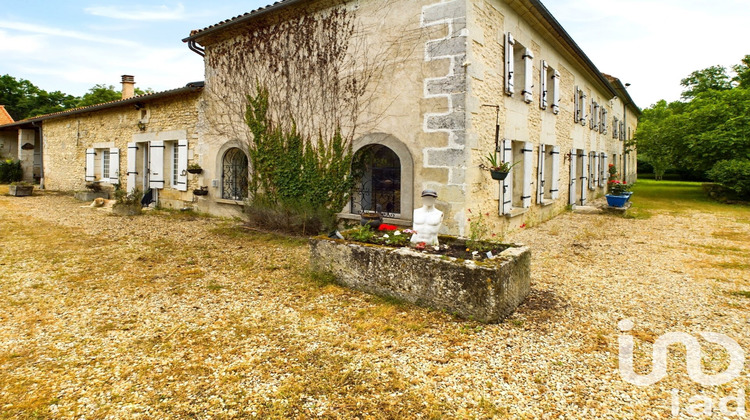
66,140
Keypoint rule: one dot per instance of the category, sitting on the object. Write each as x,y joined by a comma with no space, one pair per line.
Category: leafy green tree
100,94
742,79
22,99
712,78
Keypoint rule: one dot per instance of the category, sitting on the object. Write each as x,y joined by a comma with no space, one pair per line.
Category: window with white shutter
540,187
528,178
543,85
553,174
582,106
603,127
509,64
156,164
114,166
131,165
90,165
573,193
556,92
576,105
603,170
507,196
595,116
584,160
528,82
182,164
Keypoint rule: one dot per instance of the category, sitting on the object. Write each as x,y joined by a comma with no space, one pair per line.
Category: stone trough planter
21,190
487,291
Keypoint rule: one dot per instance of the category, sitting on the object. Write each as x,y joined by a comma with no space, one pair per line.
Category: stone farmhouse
424,89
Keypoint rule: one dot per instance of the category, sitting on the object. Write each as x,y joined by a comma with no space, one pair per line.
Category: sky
73,45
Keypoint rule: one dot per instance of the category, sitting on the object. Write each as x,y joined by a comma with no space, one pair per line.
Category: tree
23,100
708,133
712,78
742,71
100,94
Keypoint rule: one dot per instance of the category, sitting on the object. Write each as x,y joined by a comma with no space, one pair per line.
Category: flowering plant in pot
194,168
617,187
499,169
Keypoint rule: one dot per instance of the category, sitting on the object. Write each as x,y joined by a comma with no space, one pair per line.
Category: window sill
232,202
391,221
547,202
516,212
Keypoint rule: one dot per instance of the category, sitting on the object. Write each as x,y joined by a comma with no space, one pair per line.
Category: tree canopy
709,127
22,99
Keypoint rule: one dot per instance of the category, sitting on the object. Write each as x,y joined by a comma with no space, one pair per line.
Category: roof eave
241,19
190,87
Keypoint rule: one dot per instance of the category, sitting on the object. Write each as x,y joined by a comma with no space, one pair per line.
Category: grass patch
678,197
741,293
732,265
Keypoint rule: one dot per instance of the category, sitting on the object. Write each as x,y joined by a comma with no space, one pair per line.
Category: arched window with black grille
234,175
378,169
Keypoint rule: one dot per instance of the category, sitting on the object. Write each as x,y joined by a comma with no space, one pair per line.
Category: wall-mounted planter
21,190
497,175
200,192
487,291
195,171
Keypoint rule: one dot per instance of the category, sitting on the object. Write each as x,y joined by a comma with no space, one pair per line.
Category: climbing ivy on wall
292,177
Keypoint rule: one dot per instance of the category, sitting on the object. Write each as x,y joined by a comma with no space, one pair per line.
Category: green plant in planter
617,187
194,166
499,166
478,232
362,234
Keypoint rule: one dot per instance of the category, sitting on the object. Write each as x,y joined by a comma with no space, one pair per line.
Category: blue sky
72,45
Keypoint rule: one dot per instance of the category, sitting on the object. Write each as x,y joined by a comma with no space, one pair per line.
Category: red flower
385,227
523,225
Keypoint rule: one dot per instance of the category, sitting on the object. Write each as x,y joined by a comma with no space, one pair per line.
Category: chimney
128,86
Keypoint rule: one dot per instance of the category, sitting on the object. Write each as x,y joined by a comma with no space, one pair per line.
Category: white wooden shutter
584,176
90,165
573,174
156,164
556,92
528,67
604,170
577,106
510,75
604,120
508,181
528,178
582,102
540,176
182,163
595,116
592,170
131,164
598,160
543,83
114,166
615,128
555,187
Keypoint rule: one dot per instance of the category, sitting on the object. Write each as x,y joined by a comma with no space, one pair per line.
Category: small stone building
424,89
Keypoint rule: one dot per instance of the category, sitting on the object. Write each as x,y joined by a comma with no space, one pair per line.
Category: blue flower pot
616,200
628,194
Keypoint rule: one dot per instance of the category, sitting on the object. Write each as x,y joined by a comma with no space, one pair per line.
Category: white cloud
55,32
140,13
12,43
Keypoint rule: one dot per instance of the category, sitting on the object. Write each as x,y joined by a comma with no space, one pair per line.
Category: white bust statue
427,220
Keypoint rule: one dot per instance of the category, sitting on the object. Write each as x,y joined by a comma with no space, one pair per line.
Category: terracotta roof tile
5,118
251,14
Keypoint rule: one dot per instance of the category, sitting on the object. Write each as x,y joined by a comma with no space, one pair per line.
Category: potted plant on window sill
498,170
194,168
21,189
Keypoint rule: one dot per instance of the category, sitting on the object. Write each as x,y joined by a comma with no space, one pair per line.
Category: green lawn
677,197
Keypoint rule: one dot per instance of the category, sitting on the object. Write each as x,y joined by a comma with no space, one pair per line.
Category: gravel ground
169,315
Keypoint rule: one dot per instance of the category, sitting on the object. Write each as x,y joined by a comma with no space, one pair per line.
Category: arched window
234,175
378,170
